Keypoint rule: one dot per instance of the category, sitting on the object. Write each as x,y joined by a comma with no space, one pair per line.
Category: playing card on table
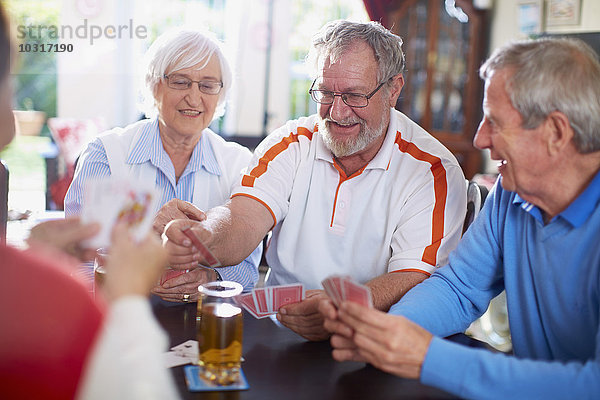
184,353
211,260
111,200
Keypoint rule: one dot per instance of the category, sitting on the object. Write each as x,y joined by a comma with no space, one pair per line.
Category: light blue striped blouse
94,163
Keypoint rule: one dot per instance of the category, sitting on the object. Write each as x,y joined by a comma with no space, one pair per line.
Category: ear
397,84
560,133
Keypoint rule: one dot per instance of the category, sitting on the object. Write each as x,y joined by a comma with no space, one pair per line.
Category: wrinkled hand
391,343
132,268
181,252
174,289
176,209
65,235
304,317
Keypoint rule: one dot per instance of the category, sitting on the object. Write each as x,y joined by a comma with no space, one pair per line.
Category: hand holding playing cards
304,317
265,301
183,253
132,267
66,235
176,209
391,343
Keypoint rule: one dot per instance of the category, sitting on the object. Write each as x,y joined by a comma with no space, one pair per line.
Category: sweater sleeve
480,374
458,293
127,361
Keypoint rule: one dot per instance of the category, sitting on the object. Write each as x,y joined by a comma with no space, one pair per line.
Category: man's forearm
236,228
388,289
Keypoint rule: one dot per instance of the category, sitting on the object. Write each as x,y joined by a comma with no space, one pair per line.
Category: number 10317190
45,47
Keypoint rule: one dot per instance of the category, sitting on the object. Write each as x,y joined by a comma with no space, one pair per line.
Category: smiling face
346,130
185,113
521,153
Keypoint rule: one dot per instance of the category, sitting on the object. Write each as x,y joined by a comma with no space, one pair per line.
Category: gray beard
344,148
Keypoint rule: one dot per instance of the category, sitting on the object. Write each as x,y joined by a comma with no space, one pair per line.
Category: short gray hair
178,49
550,75
337,37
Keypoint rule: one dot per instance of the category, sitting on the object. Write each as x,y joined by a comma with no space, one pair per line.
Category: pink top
49,323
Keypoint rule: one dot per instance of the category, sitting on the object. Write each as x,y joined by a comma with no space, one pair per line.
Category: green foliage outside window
34,72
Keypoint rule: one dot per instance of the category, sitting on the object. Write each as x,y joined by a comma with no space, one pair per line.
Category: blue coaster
197,384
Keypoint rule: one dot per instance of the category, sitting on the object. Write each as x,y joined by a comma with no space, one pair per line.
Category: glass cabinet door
442,91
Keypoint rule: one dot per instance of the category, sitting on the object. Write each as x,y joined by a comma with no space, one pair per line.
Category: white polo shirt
404,211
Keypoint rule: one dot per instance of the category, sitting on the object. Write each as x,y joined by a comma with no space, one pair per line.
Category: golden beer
220,331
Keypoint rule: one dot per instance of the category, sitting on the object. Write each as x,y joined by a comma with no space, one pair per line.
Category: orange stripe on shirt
271,153
440,188
261,202
411,270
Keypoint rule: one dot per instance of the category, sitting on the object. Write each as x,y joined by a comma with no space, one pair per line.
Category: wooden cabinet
444,43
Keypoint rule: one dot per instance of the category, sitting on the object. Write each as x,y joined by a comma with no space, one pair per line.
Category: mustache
348,121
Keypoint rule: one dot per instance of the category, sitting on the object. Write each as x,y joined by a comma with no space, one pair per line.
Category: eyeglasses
181,82
355,100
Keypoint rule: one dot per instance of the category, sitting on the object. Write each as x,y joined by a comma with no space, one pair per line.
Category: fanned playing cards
111,200
342,288
262,302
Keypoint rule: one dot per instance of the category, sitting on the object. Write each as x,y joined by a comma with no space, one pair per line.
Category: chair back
476,195
3,201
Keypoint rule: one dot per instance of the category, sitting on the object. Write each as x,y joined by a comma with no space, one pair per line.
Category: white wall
505,27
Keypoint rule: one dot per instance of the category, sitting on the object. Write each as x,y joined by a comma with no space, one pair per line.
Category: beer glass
99,267
220,329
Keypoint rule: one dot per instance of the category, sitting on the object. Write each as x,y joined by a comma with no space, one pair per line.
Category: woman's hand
184,287
176,209
66,235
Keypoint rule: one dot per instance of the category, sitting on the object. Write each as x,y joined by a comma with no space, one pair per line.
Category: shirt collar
140,152
578,211
381,159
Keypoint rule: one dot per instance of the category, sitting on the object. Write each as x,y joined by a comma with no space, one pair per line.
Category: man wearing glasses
357,189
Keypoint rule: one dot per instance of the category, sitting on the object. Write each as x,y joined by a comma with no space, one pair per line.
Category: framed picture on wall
563,12
530,16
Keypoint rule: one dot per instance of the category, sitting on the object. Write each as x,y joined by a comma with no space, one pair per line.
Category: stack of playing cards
262,302
343,288
111,200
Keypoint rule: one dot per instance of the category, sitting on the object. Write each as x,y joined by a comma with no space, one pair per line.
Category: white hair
553,74
178,49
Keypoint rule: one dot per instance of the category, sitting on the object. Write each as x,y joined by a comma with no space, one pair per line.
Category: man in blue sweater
537,237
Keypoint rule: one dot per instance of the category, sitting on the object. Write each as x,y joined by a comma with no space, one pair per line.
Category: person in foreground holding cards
536,237
56,340
187,81
357,189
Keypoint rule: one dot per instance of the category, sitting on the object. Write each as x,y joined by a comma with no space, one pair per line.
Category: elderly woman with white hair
194,169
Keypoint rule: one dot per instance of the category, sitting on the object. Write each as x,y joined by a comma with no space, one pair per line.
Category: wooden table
281,365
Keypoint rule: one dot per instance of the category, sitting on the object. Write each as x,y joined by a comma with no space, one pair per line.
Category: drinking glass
100,267
219,332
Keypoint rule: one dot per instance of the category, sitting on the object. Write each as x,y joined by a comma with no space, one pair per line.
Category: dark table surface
282,365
